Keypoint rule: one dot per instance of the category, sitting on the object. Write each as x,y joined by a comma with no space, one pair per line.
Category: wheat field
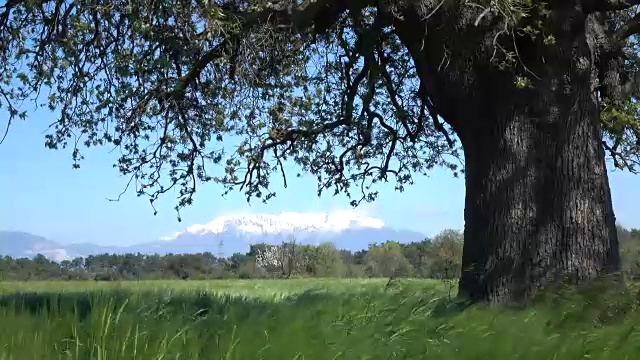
302,319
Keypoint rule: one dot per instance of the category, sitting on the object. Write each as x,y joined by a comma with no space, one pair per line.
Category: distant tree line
630,251
438,257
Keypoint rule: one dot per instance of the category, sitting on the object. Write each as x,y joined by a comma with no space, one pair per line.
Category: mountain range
229,234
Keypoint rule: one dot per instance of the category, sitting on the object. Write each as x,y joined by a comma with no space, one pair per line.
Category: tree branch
592,6
298,19
630,28
301,18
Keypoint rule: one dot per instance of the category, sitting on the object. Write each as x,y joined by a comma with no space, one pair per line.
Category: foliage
298,318
437,258
168,82
630,252
336,87
387,260
446,255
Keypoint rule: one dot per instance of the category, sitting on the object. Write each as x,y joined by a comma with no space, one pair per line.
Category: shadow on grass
161,305
601,302
37,303
594,304
446,307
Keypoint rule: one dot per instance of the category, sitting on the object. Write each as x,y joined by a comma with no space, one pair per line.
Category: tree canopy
341,88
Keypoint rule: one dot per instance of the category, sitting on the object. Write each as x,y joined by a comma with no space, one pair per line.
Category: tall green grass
303,319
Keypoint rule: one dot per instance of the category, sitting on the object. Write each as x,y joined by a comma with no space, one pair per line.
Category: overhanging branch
300,18
282,15
592,6
629,28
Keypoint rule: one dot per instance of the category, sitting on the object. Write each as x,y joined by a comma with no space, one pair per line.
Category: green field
302,319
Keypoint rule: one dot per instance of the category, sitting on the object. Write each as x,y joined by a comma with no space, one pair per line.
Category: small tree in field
277,260
446,256
290,263
329,261
387,260
268,257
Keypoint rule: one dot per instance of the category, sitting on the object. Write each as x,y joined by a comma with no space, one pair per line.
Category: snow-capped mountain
235,233
284,223
21,244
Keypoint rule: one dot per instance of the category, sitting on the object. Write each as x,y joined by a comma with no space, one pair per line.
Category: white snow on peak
285,222
52,254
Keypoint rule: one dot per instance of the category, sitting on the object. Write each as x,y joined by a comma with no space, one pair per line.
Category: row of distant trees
438,257
630,251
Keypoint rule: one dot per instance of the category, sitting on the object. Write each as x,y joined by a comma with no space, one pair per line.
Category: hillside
228,235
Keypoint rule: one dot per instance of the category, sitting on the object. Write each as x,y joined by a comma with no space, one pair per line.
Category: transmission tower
220,248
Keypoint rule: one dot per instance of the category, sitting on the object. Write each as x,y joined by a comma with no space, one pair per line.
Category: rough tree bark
538,205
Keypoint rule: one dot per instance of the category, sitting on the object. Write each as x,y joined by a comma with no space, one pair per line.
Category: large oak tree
356,92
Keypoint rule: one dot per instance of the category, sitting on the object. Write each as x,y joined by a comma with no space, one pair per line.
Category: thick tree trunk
538,205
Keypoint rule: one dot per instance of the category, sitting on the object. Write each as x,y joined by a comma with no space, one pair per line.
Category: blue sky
43,195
